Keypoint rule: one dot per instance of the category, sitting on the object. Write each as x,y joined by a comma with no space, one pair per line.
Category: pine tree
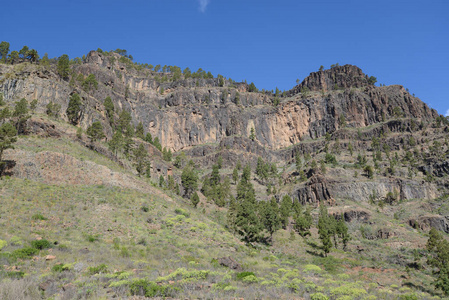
23,53
220,162
21,115
261,169
189,180
116,143
171,183
342,231
252,135
139,131
235,175
157,144
95,131
246,219
285,210
74,109
324,229
90,83
149,138
161,181
21,108
303,222
64,66
109,107
140,159
180,160
195,199
215,175
124,121
438,259
4,50
7,137
33,105
148,169
238,165
271,217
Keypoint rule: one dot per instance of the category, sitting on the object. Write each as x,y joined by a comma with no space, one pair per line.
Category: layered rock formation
208,118
191,112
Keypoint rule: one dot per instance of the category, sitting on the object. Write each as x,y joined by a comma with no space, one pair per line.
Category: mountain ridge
115,215
210,111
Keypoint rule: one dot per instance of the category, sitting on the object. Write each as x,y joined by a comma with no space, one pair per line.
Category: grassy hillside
117,240
85,217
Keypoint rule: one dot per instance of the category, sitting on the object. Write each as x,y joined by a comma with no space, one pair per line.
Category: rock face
361,190
426,222
196,111
315,190
319,188
339,77
436,167
351,214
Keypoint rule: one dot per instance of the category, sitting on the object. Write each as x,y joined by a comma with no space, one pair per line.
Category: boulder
230,263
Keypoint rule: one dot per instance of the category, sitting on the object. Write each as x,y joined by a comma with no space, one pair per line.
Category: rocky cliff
209,118
194,111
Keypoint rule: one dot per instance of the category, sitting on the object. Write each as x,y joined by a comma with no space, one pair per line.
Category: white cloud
203,5
447,113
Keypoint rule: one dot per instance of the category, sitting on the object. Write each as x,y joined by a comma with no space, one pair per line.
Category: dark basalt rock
230,263
440,223
314,191
198,111
339,77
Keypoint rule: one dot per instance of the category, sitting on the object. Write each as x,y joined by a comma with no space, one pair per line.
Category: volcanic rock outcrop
195,111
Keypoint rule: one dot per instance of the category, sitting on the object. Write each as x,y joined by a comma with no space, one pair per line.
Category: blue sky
270,43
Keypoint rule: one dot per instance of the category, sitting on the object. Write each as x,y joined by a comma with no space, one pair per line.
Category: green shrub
15,241
242,275
319,296
23,253
40,244
180,211
124,275
230,288
3,244
61,267
409,296
98,269
221,285
329,263
345,298
15,274
57,268
144,287
38,217
201,225
92,238
119,283
124,252
312,268
352,290
179,218
250,279
185,274
63,247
